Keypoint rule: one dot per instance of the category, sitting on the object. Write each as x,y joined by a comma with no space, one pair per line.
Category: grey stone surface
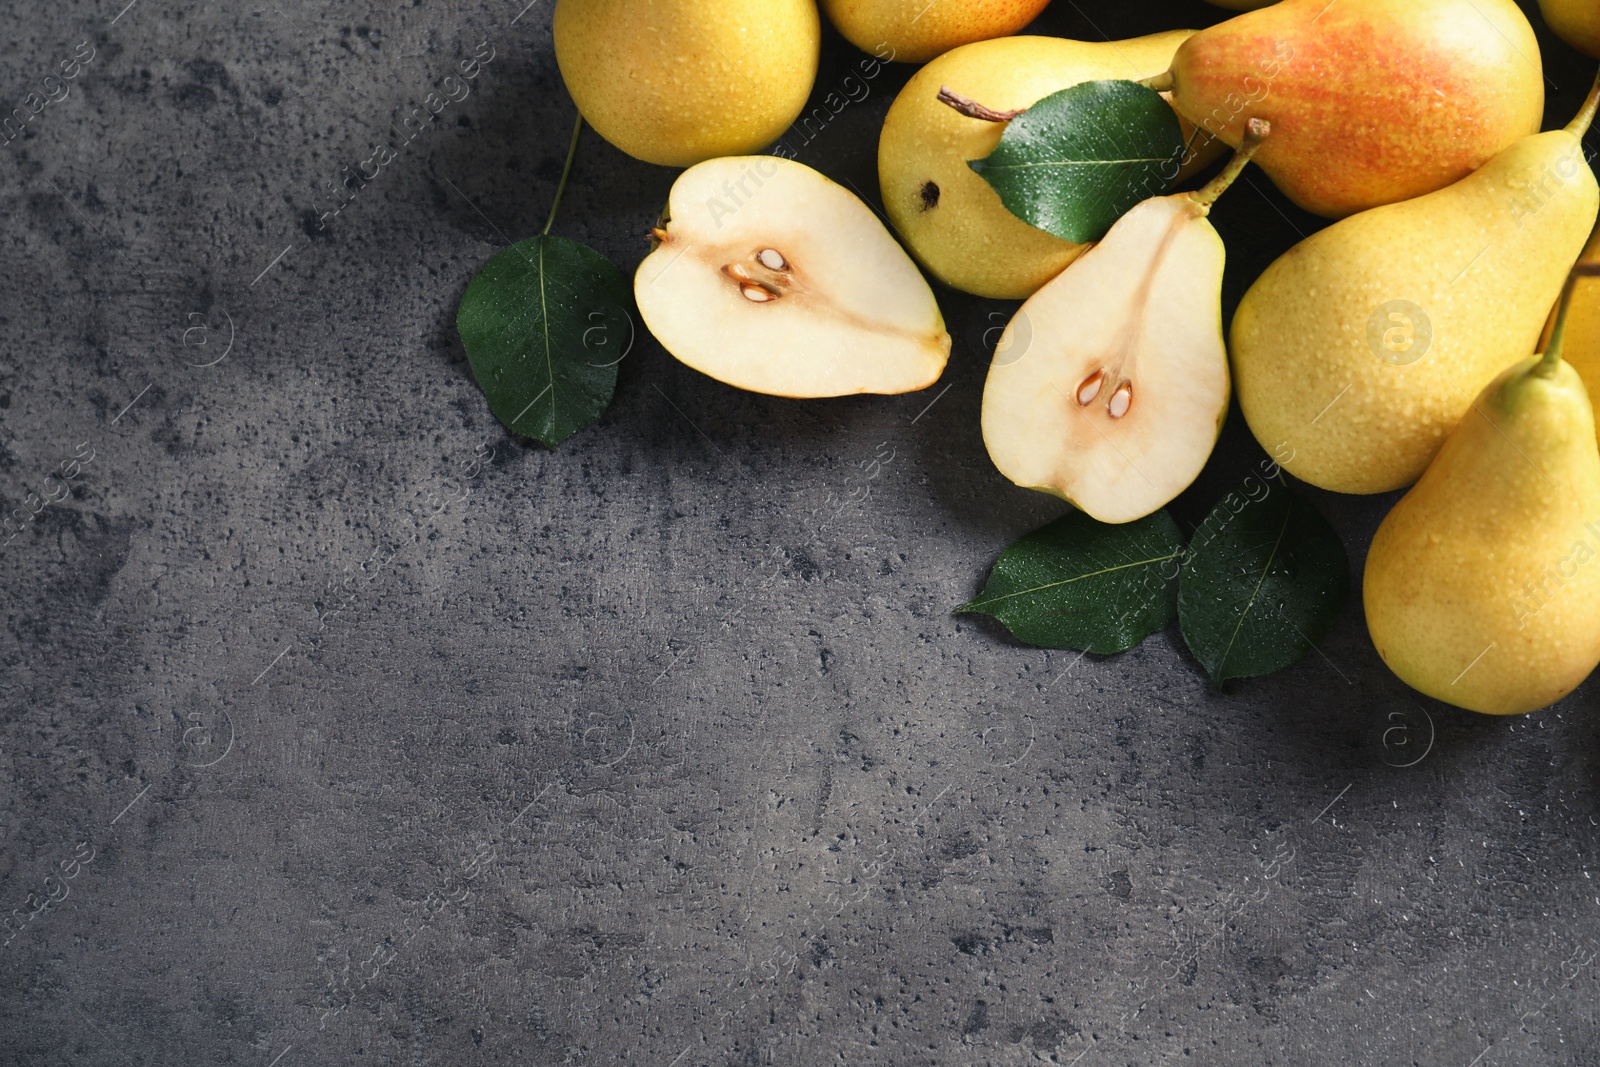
639,751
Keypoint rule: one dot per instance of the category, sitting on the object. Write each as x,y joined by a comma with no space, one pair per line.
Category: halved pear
1110,385
771,278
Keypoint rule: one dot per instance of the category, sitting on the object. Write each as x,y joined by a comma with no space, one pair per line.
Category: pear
1241,5
1109,387
1362,347
676,82
1582,348
1373,101
1575,21
955,223
1482,586
771,278
915,31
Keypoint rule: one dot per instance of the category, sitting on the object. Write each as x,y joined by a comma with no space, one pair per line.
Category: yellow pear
1583,325
1363,346
1575,21
914,31
1482,586
1109,387
953,220
680,81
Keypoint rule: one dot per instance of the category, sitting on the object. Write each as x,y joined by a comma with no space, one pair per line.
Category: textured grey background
640,751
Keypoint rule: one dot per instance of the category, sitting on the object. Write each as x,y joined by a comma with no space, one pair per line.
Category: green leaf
1078,583
545,323
1263,581
1073,163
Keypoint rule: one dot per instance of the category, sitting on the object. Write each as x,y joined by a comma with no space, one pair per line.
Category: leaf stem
566,172
974,110
1585,119
1256,132
1558,336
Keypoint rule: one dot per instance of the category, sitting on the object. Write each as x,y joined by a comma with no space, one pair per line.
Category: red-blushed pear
1110,385
1371,101
771,278
1482,586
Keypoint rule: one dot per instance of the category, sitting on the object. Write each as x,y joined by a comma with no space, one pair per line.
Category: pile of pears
1441,333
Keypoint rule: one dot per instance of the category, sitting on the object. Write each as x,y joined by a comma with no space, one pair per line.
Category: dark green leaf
545,323
1264,579
1075,161
1078,583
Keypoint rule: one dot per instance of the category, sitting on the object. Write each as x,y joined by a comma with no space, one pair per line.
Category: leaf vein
983,602
544,321
1076,163
1265,570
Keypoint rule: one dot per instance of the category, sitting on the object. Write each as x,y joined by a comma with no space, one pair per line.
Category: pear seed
758,293
1121,400
1090,388
772,259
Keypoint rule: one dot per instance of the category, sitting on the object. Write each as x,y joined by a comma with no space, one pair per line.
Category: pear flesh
1110,385
1482,586
772,278
1359,350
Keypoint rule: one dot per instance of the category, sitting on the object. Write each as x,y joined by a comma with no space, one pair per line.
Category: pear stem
1558,336
566,172
969,107
1255,133
1161,83
1585,119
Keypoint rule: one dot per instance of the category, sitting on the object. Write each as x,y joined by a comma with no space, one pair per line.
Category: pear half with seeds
771,278
1110,385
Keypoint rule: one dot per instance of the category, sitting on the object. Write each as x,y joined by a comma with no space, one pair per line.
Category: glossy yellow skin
1482,586
1355,123
966,237
1582,345
676,82
1575,21
915,31
1484,260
